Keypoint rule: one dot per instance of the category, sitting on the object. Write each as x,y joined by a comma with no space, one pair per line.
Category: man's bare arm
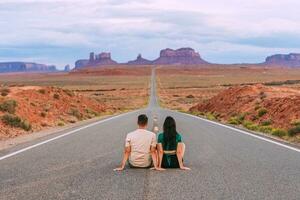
125,158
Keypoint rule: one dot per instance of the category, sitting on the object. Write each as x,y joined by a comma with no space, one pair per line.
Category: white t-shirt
140,142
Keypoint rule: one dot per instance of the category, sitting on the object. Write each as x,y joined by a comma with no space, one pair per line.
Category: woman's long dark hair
170,132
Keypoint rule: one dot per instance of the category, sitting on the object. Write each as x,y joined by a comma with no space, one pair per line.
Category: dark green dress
169,160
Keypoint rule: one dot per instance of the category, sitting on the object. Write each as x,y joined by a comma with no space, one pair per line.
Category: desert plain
31,102
258,98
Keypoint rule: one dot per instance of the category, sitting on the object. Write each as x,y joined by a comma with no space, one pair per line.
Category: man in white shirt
140,147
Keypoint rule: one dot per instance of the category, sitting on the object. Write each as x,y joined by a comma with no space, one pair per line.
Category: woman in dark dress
170,146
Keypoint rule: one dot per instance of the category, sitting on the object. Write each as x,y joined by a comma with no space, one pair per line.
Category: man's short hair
142,120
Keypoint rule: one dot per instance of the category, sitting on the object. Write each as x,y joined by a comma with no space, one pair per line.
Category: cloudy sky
232,31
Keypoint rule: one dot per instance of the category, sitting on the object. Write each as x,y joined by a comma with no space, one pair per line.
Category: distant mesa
95,60
25,67
182,56
81,63
67,68
186,56
286,60
140,61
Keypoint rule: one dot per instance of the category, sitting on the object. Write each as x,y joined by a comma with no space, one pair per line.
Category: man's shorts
134,167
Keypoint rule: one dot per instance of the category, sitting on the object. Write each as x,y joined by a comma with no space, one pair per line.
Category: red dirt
282,104
115,71
41,109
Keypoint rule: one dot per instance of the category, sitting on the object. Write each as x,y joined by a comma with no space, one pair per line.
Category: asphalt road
78,164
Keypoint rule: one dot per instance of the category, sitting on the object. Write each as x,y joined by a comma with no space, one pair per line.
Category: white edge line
244,132
64,135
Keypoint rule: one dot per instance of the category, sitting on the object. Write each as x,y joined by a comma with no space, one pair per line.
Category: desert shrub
32,104
56,96
43,114
234,121
288,82
11,120
69,92
72,121
294,131
241,116
60,123
265,129
15,121
254,117
250,125
197,113
262,95
295,122
238,119
98,94
210,116
76,113
253,127
262,111
26,125
279,132
8,106
42,91
257,107
4,92
190,96
266,122
274,83
91,112
247,123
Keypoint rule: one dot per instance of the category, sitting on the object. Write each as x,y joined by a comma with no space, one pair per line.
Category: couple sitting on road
142,150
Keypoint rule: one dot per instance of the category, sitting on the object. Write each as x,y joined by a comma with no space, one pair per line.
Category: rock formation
25,67
67,68
95,60
103,59
186,56
140,61
81,63
287,60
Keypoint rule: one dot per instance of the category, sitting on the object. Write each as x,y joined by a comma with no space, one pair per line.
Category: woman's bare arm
179,154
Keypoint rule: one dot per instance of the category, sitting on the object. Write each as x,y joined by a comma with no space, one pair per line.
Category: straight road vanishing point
78,164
